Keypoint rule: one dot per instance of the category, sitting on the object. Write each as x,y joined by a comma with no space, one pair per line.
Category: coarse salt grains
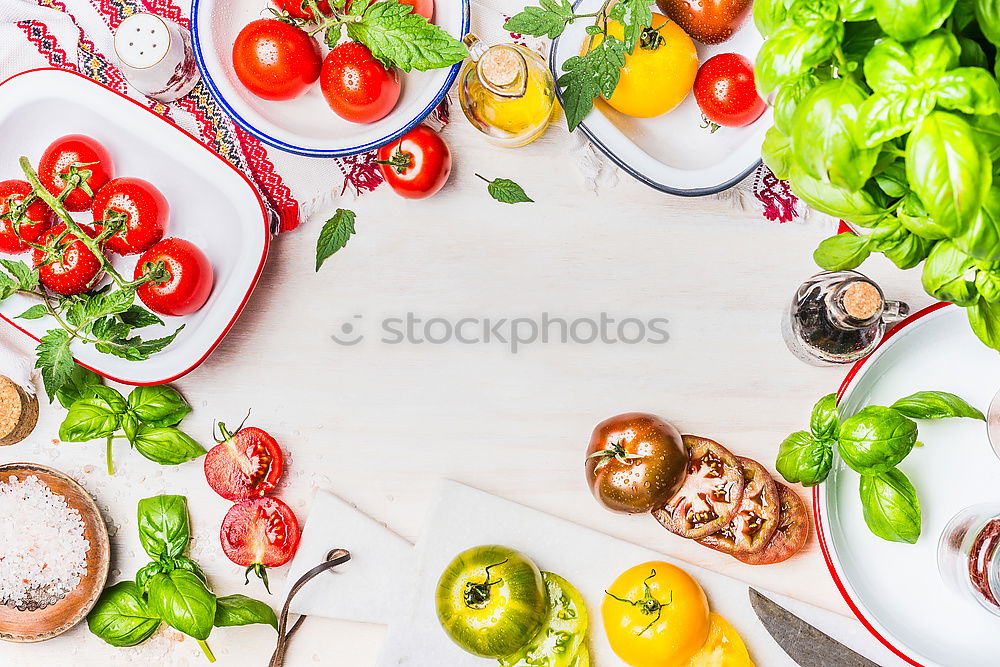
43,551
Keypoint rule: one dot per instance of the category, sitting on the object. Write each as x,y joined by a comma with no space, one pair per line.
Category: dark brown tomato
754,525
711,494
790,536
708,21
635,462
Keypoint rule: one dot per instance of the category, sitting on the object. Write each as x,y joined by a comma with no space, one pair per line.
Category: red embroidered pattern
775,194
264,173
46,43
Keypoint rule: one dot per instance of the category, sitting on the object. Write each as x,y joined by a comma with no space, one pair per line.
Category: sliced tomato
789,537
754,525
259,534
245,465
711,494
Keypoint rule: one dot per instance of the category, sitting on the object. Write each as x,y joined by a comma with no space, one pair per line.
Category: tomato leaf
549,19
55,361
36,312
403,39
589,76
335,234
507,191
80,385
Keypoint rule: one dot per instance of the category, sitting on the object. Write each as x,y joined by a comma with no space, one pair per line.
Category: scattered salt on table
43,551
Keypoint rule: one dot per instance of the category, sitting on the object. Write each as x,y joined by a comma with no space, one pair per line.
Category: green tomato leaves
891,507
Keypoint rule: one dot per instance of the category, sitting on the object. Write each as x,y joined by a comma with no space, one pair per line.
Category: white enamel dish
211,204
306,125
895,589
672,152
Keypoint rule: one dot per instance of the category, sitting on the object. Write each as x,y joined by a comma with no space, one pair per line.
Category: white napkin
17,357
364,589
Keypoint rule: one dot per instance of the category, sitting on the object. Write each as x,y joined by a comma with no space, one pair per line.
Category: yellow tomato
659,74
724,648
655,615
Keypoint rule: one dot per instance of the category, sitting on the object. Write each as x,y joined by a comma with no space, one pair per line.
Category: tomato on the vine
726,91
69,267
357,86
259,534
417,165
276,61
76,157
189,280
37,217
139,207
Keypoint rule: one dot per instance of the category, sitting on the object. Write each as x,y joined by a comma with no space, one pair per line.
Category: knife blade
806,645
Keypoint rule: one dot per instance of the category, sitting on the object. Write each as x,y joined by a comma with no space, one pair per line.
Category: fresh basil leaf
787,98
971,90
887,234
550,19
985,320
973,54
950,275
892,180
54,360
185,563
912,215
164,530
890,506
804,459
935,54
166,445
988,284
146,573
988,18
80,385
405,40
90,419
982,239
910,251
936,405
792,50
876,439
776,152
130,425
986,131
335,234
507,191
907,20
842,252
768,15
889,68
857,10
235,610
121,617
824,423
181,599
885,116
859,39
159,405
857,206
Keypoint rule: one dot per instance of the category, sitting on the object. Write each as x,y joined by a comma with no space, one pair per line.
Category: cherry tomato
276,61
58,162
139,206
74,269
358,87
726,92
423,7
708,21
300,8
35,221
419,163
259,534
245,465
188,285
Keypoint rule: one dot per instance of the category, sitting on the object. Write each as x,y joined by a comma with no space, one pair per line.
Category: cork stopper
862,300
500,67
18,412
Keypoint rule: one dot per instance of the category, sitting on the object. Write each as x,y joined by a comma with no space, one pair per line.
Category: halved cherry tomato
69,267
357,86
259,534
36,219
189,280
245,465
790,536
726,91
276,61
300,8
711,494
754,525
139,207
417,165
76,153
423,7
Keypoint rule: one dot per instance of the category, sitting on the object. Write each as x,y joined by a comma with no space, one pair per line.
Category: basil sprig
147,419
171,589
872,443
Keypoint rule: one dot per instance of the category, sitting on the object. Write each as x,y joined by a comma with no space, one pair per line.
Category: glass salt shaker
969,555
156,57
838,317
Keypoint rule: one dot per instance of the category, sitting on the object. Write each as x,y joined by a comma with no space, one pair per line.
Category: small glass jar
507,92
969,555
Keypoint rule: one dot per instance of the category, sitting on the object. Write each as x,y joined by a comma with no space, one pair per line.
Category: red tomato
276,61
245,465
36,220
300,8
417,165
57,160
358,87
190,281
726,92
259,534
423,7
139,206
74,270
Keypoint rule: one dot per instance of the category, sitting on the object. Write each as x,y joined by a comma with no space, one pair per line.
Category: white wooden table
381,424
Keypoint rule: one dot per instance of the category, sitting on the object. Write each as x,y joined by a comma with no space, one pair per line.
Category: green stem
107,451
207,650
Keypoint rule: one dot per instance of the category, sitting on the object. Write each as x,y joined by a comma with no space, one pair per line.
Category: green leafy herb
506,191
825,421
183,601
936,405
166,445
80,385
891,507
164,530
804,458
876,439
550,18
159,405
235,610
400,37
121,616
335,234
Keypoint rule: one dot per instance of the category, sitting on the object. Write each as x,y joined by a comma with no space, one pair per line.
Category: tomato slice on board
754,525
245,465
789,537
259,534
711,494
563,632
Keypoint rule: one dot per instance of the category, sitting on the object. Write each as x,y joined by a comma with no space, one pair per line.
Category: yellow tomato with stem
724,647
655,615
659,74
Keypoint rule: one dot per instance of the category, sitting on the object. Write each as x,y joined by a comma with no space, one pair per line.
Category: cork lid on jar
862,300
18,412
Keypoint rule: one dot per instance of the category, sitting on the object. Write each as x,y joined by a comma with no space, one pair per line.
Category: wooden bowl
42,624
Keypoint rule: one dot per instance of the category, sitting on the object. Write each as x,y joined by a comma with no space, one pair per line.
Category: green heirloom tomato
876,439
491,600
950,275
563,631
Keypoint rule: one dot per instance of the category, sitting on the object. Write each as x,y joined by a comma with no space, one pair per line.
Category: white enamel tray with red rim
895,589
211,204
672,152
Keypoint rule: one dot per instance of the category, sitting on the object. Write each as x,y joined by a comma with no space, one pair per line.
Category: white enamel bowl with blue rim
672,152
306,125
